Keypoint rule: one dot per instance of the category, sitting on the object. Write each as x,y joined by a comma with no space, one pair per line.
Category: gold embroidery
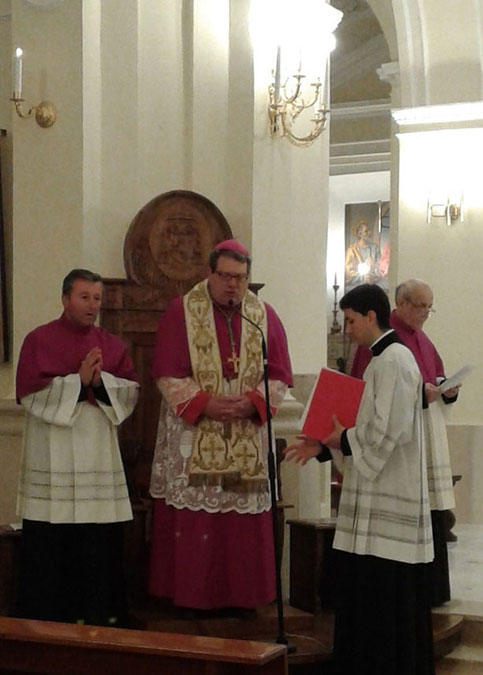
226,454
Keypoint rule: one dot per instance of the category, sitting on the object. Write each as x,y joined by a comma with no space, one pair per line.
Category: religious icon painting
367,247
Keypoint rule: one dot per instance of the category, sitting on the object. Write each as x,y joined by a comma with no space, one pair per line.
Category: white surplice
440,475
384,506
72,470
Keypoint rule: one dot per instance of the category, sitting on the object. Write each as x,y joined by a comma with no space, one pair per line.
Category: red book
334,394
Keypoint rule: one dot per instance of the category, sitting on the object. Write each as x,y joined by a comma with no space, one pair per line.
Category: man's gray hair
405,290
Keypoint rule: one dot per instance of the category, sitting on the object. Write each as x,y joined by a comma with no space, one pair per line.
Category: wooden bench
28,646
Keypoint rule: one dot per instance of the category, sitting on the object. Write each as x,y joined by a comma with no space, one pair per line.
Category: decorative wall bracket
45,112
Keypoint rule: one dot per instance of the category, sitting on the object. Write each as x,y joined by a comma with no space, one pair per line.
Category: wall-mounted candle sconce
450,210
45,112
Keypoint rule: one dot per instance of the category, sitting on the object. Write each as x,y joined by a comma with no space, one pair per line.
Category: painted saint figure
362,258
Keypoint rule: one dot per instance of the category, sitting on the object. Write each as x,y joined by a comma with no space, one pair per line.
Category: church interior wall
7,178
11,431
440,62
432,164
466,441
47,163
454,57
290,227
139,115
134,144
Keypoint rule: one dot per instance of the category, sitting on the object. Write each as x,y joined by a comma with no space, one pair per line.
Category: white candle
335,279
326,88
17,72
276,88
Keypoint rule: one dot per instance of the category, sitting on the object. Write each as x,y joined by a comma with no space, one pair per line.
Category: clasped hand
227,408
91,367
305,448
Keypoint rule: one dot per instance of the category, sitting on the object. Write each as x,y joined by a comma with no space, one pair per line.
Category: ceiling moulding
377,107
360,157
368,164
449,115
357,148
367,57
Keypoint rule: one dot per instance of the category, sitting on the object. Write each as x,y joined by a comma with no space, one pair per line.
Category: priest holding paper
414,305
383,538
212,542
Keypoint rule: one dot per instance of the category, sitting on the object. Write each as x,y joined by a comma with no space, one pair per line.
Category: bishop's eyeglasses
227,276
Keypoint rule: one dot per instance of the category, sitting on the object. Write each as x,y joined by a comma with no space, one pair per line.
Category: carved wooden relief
169,241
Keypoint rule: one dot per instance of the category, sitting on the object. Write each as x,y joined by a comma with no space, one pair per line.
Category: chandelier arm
301,141
293,97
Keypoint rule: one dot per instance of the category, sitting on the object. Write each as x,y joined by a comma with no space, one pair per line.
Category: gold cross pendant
235,360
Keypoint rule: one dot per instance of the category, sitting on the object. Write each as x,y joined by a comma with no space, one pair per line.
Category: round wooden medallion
171,237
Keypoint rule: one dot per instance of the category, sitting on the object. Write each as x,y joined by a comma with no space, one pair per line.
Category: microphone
281,637
264,343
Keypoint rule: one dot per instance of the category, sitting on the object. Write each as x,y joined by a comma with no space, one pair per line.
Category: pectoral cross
234,359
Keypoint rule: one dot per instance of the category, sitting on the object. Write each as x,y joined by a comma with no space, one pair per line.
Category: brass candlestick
336,327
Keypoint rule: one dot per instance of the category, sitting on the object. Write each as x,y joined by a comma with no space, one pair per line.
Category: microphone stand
281,637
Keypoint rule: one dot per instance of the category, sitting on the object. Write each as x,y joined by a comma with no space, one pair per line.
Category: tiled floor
466,569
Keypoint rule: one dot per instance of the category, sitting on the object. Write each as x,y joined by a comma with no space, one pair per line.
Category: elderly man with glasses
414,305
212,543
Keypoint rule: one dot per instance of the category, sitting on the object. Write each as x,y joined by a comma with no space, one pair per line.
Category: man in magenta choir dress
212,541
77,383
414,304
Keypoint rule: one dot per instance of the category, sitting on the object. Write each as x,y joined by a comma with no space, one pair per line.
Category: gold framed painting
367,246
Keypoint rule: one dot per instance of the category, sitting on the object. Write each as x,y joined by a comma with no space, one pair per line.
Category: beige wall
6,109
440,164
11,425
47,163
466,443
138,116
439,50
454,56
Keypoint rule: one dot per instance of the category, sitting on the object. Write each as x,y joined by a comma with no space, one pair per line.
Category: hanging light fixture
299,95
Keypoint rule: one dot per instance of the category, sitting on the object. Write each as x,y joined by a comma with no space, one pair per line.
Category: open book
334,394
